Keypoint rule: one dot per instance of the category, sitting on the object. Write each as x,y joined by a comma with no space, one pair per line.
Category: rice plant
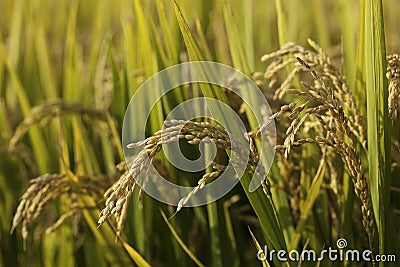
330,71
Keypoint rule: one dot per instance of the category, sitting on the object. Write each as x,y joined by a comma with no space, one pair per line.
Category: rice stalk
378,118
265,210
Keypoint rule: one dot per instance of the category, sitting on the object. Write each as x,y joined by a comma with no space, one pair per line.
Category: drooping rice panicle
335,110
201,183
45,188
326,71
393,74
194,133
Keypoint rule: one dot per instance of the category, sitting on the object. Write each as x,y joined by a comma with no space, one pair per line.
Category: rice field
71,196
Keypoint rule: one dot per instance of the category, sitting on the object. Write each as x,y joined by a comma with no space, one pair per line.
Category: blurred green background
96,53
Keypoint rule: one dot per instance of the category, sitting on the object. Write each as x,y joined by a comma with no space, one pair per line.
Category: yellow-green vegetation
330,71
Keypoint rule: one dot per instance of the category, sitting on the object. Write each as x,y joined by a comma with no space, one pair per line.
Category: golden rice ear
193,132
46,188
329,102
321,68
393,74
